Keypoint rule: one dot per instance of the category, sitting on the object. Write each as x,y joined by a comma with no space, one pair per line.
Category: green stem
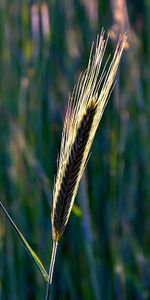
51,269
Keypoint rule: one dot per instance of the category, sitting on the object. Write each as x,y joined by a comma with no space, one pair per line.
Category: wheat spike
83,115
84,112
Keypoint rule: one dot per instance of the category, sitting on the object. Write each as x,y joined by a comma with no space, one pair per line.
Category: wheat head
85,108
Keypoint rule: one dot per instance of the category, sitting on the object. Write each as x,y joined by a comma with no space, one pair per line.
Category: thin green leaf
26,245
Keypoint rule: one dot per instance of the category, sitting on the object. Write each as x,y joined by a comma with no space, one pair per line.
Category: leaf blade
28,248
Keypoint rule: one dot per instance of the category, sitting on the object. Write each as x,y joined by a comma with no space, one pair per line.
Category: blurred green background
105,251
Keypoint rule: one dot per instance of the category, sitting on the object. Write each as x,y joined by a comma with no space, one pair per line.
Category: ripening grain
84,112
83,115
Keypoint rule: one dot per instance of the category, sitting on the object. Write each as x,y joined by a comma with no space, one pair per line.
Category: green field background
104,253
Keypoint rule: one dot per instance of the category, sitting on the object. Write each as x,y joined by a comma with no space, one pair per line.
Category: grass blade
26,245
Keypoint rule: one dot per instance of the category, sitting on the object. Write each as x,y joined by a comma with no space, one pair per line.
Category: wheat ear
85,109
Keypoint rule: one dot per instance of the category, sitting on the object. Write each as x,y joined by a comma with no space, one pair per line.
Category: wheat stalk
84,112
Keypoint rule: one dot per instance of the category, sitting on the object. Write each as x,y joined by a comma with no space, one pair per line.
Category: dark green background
105,251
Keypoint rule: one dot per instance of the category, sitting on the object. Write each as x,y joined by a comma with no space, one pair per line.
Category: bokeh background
105,251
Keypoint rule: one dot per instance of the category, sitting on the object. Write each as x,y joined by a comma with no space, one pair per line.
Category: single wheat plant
85,108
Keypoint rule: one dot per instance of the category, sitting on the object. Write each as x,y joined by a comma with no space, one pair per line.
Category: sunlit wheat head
84,112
